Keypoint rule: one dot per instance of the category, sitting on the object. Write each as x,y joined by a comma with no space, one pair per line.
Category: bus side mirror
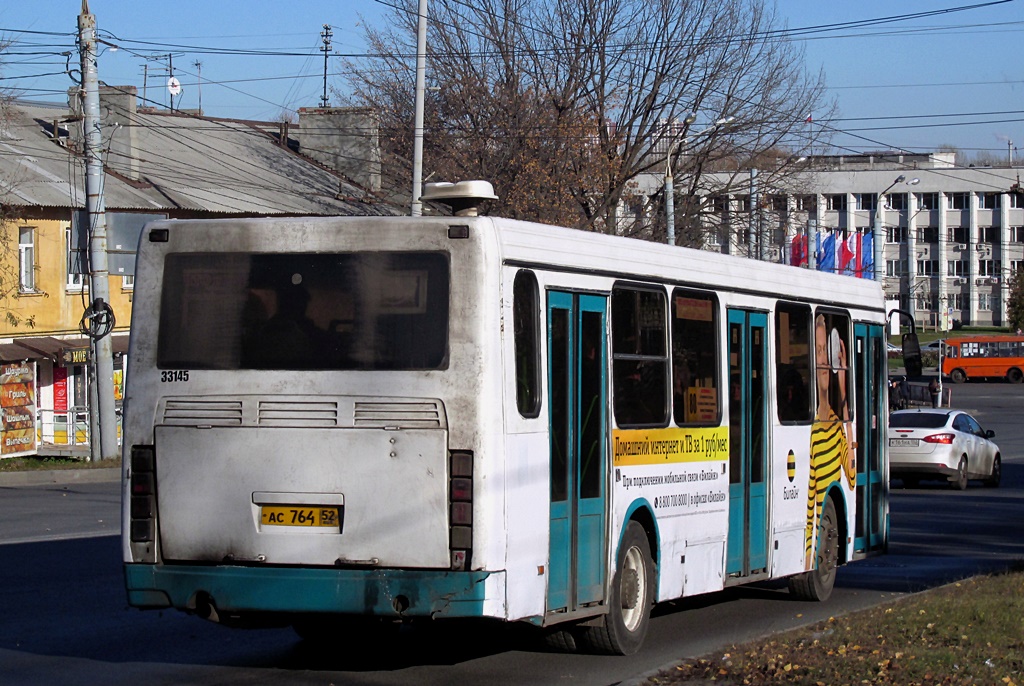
912,354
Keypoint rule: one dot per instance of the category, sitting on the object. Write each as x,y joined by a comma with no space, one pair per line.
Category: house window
836,203
988,201
897,234
928,201
75,264
956,268
958,234
895,267
27,259
866,201
896,201
958,201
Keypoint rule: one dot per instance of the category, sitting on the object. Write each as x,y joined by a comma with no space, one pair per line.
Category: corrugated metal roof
184,162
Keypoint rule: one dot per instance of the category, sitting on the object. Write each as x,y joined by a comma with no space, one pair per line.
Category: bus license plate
300,516
902,442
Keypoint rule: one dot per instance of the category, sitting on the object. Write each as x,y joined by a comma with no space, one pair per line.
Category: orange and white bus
984,357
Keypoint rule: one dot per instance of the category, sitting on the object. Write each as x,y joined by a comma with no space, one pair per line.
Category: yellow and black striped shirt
829,449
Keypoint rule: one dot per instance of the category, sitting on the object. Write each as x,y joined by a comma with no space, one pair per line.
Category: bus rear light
460,498
143,490
945,439
462,513
462,489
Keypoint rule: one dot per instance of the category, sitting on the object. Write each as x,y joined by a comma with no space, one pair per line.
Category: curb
61,477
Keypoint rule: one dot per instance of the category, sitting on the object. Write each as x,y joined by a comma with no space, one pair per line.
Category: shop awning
13,349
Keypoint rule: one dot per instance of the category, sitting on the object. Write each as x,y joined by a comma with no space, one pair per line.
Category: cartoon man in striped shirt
832,448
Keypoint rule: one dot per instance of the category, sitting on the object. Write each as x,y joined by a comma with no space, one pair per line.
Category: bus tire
958,376
623,629
818,583
1014,375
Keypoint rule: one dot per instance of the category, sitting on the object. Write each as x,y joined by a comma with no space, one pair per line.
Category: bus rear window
374,311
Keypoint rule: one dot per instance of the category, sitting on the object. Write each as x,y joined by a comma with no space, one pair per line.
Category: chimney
119,124
344,139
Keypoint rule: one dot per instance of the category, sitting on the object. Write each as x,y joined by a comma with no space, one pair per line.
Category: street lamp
669,188
876,232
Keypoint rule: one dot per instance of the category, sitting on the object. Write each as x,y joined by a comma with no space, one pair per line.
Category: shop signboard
18,405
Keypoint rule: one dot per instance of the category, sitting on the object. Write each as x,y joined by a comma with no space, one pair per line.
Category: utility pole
325,35
99,314
417,134
199,76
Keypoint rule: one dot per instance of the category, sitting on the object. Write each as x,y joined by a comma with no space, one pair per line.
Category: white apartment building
952,235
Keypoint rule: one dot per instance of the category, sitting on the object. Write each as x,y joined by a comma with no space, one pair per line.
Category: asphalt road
65,619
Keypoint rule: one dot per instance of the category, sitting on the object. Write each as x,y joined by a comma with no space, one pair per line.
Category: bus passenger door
871,372
747,551
577,383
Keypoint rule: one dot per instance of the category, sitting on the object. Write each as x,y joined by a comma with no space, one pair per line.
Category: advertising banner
18,405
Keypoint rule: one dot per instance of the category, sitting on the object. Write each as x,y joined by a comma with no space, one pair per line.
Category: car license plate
902,442
300,516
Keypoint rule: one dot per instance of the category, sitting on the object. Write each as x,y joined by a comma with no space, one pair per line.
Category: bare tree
564,104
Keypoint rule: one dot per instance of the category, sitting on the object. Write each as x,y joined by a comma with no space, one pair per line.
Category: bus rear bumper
257,590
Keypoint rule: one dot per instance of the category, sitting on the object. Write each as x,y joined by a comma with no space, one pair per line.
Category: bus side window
639,357
695,355
793,362
525,315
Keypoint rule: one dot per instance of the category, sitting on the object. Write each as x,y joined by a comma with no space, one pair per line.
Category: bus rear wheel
958,376
1014,376
623,629
818,583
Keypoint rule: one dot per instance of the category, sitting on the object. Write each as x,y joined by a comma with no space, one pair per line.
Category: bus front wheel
817,584
623,629
958,376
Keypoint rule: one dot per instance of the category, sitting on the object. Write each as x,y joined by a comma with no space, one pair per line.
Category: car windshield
918,420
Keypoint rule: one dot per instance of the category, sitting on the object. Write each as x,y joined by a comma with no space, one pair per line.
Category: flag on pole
798,253
848,254
827,252
867,249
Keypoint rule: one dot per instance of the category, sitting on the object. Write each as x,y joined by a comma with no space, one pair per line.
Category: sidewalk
42,477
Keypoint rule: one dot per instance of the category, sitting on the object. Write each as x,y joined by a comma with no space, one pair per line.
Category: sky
956,78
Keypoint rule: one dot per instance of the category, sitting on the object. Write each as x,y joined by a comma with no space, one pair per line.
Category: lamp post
877,231
669,187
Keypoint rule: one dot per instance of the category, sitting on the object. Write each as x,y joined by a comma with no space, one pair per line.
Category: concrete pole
417,140
100,315
670,207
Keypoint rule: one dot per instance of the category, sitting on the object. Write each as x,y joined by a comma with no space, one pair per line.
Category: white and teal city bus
371,419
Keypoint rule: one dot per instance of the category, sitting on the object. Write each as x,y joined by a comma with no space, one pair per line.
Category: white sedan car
941,443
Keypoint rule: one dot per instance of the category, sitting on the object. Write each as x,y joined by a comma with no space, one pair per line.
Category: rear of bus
302,420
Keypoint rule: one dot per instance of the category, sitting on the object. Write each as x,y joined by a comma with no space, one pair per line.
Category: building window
895,267
927,267
956,268
988,234
866,201
896,201
955,301
807,203
742,203
988,201
836,203
987,302
1017,234
958,201
927,234
27,259
958,234
989,267
128,282
779,203
927,201
1017,200
927,302
897,234
1016,266
75,264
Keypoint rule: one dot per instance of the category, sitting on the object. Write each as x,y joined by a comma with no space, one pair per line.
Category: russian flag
827,252
849,255
798,254
867,250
